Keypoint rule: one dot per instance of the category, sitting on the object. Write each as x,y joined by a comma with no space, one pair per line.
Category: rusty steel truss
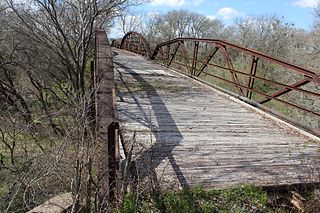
135,42
219,60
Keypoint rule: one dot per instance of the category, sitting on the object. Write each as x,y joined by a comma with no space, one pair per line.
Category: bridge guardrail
104,125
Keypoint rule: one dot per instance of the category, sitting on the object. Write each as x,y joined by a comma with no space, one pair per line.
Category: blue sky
297,12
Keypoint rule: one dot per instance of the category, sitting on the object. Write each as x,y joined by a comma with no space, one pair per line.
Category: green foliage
245,198
198,199
3,187
179,202
128,204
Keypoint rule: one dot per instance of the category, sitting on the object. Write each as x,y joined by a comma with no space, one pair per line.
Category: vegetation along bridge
204,112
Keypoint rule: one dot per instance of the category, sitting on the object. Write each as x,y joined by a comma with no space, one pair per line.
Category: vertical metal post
253,70
140,47
185,56
162,56
168,54
114,159
195,58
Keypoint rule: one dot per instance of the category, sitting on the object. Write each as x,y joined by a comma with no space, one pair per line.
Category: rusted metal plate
189,134
106,138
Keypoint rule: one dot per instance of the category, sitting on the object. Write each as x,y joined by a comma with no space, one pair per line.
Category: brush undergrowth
241,199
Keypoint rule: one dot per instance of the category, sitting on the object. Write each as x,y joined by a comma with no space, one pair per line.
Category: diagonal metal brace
285,90
234,76
207,60
173,54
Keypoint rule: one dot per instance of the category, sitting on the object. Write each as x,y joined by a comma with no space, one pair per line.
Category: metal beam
106,138
285,90
207,60
252,72
174,54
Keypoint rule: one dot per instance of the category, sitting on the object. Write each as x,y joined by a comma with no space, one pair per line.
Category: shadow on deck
150,158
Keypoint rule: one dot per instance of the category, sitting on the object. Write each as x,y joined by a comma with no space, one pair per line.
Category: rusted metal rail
248,73
105,123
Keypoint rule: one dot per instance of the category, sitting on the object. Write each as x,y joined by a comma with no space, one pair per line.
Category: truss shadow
150,158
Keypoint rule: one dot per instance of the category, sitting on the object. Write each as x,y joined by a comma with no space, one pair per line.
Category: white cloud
196,2
152,14
177,3
211,17
228,13
249,2
168,2
306,3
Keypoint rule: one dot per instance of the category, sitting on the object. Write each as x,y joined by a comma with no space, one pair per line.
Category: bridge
189,113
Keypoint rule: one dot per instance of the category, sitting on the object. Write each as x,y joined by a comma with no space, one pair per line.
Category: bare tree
317,11
129,21
267,33
182,23
316,32
45,50
202,27
66,28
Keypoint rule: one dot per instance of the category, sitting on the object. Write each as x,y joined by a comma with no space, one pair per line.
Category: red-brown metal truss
135,42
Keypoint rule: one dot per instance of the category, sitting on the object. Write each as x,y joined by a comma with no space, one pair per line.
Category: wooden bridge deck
189,134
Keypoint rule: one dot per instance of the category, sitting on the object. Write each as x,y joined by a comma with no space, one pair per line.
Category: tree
316,31
66,29
45,50
317,11
182,23
129,21
202,27
266,33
